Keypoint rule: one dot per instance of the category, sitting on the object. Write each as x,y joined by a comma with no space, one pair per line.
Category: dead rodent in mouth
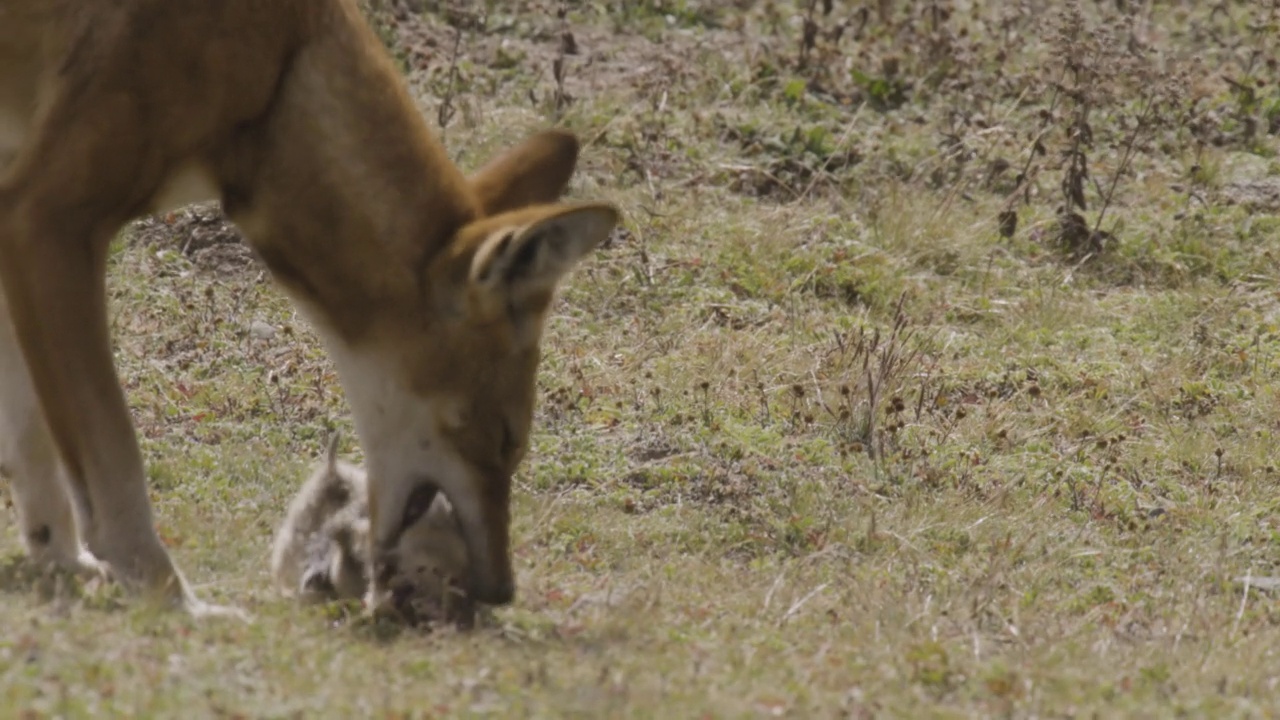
321,549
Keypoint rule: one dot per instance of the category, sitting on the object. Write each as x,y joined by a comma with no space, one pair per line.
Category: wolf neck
351,194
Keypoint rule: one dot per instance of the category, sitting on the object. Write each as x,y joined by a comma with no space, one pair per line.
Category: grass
814,438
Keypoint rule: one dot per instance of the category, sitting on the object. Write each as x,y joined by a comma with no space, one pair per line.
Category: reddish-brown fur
292,114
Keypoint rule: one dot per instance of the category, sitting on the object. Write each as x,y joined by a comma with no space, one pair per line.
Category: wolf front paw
82,564
152,577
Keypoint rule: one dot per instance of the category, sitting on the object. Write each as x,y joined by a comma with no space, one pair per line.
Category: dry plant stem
1075,154
808,35
1023,186
1141,125
446,111
559,66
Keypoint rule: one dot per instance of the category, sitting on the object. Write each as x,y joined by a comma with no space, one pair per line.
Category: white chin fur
400,435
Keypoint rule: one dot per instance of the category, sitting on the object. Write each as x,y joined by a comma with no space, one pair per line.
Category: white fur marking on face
398,430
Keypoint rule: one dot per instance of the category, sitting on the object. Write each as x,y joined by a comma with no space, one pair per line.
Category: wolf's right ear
535,172
518,267
518,262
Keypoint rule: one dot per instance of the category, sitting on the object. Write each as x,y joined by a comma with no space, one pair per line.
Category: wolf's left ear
535,172
520,266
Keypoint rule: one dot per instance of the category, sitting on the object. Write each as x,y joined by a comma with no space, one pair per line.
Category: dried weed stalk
1108,97
464,20
559,67
874,369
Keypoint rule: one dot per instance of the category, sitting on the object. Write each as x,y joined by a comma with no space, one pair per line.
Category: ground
934,373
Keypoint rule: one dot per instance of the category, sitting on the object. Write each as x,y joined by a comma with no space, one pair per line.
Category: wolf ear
535,172
519,267
525,260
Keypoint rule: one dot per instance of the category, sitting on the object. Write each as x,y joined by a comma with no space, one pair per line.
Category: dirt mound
1261,196
202,233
